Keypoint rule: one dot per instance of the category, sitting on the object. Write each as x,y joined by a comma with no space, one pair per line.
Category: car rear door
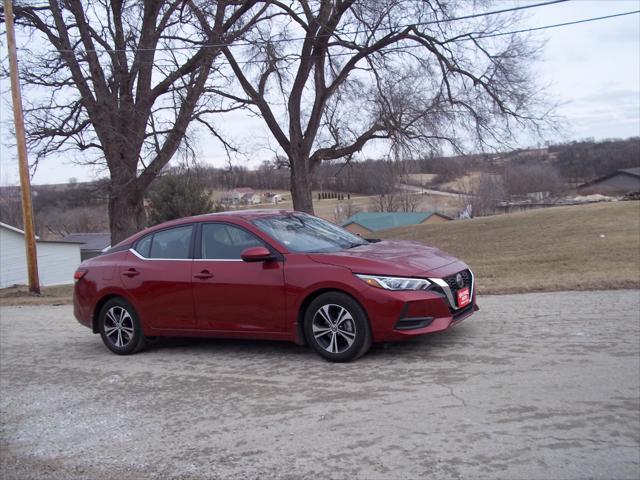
157,274
230,294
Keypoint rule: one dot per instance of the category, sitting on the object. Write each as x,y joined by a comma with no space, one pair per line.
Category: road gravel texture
533,386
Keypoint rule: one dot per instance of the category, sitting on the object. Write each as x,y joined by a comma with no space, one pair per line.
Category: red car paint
265,299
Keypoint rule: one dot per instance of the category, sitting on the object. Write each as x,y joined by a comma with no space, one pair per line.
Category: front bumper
396,315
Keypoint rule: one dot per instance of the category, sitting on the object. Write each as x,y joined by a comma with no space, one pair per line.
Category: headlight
395,283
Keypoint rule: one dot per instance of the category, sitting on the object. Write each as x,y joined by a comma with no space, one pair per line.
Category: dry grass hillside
586,247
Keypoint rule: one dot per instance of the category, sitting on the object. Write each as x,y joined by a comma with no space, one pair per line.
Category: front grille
453,284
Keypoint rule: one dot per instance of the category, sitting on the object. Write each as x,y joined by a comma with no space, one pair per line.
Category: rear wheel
120,327
337,328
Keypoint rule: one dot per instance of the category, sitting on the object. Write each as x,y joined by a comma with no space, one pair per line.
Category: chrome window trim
160,259
447,290
218,260
187,259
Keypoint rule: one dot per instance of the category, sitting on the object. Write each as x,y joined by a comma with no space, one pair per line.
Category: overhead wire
293,39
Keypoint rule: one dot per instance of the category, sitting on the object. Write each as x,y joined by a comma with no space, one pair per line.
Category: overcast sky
592,69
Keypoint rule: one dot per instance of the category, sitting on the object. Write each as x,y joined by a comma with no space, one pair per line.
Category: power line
470,37
355,32
461,38
575,22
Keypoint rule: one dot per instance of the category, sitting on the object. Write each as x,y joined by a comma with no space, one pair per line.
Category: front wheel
120,327
337,328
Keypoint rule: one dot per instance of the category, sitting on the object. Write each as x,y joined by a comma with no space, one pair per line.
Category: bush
178,195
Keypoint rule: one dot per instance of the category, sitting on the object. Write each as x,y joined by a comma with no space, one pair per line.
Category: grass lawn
585,247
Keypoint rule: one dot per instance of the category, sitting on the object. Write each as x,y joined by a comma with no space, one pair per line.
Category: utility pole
25,185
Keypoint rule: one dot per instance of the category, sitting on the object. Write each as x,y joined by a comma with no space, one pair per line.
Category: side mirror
256,254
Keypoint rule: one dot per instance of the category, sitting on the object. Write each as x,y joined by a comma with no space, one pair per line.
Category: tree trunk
301,185
126,212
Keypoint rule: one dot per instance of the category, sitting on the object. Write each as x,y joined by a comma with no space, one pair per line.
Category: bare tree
11,209
408,201
483,193
336,75
524,179
54,222
125,80
385,202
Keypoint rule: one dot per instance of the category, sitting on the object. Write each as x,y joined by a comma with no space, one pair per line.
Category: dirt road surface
534,386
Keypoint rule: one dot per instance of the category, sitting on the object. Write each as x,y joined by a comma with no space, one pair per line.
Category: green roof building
365,223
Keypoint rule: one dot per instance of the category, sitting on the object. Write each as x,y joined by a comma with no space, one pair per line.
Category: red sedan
268,274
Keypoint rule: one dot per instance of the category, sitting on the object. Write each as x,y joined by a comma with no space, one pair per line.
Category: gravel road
533,386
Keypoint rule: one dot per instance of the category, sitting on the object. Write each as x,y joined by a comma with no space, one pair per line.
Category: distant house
92,244
620,182
273,197
57,260
235,196
252,198
365,223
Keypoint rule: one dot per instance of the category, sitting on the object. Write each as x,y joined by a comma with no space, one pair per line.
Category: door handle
204,274
132,272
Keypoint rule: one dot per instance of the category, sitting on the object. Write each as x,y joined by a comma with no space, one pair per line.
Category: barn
57,260
620,182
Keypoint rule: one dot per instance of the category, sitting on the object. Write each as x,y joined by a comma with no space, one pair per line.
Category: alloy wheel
118,326
334,328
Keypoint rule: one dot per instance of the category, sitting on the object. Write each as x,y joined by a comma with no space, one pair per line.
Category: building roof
14,229
634,172
21,232
631,171
375,221
90,241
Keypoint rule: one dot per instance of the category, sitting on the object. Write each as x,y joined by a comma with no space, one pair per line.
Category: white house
273,197
57,261
237,196
250,199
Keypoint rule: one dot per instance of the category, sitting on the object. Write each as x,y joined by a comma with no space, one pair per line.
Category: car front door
231,294
157,274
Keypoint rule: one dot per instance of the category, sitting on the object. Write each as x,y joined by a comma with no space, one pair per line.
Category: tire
120,327
336,327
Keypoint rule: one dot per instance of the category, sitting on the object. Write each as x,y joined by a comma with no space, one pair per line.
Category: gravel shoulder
534,386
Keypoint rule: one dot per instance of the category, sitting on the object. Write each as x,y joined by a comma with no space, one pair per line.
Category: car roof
246,215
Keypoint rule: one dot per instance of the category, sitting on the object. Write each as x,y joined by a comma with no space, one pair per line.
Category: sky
592,72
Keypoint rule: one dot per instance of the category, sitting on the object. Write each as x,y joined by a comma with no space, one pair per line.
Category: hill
595,246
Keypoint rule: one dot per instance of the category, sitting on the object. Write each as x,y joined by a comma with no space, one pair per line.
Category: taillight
81,272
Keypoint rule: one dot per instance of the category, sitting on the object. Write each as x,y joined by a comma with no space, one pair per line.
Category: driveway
534,386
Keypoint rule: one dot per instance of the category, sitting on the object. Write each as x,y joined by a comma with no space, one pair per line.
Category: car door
157,274
233,295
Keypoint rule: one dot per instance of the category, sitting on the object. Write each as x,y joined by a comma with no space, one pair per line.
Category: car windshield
305,233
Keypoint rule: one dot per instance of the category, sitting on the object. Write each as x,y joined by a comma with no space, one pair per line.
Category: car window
226,242
173,243
143,246
305,233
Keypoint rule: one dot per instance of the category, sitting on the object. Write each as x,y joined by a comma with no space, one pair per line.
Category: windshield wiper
356,244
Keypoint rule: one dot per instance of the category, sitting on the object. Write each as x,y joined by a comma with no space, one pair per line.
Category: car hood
388,258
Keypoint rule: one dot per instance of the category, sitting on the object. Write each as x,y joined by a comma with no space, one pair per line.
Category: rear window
144,246
168,244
